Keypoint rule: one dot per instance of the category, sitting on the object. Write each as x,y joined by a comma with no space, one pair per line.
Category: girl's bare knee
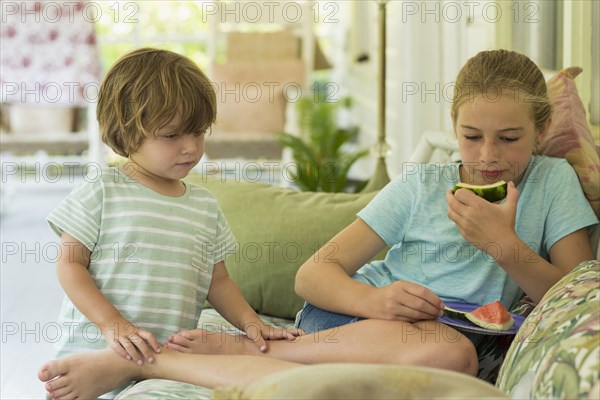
453,352
467,360
428,344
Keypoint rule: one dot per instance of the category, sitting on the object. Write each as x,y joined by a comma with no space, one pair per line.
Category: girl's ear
544,129
540,133
453,121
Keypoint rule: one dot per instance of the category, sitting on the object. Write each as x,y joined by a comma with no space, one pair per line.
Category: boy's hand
129,341
269,332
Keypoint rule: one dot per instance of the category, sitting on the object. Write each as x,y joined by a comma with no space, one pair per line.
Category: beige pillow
363,381
262,46
252,96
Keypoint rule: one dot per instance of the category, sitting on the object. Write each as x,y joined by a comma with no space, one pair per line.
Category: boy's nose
188,144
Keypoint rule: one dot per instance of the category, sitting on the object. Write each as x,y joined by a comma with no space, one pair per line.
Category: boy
140,249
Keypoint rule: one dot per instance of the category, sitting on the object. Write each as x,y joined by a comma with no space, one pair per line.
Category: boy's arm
225,296
74,277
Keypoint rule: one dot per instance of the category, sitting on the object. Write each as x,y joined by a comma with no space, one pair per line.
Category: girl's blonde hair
144,90
493,73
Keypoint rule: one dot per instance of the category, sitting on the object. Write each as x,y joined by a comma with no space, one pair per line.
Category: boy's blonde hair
496,72
144,90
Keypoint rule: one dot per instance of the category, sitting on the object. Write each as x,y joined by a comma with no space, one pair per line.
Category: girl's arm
534,275
325,280
73,275
225,296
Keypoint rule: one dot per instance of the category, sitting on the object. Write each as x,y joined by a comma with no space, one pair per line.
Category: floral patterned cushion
556,354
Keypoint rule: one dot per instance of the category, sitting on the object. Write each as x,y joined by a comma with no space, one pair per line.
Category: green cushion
555,353
277,230
362,381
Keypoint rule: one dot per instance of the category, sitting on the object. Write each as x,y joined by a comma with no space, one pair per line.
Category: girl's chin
491,178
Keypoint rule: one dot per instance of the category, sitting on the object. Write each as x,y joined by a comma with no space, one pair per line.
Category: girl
444,247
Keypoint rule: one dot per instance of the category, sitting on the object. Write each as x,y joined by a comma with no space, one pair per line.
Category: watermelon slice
492,193
493,316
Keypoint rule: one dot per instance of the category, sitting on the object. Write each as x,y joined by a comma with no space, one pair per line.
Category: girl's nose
489,152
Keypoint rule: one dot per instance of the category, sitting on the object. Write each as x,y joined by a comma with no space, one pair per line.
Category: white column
415,76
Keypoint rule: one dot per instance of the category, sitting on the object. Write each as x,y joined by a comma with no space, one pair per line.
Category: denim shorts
313,319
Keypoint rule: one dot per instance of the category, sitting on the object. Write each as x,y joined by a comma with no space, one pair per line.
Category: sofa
556,353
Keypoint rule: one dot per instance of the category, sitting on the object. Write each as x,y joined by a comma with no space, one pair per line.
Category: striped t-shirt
152,255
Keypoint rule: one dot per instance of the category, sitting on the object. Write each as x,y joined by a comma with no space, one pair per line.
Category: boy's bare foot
199,341
86,375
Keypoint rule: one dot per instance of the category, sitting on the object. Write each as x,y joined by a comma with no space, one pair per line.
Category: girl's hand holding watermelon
488,226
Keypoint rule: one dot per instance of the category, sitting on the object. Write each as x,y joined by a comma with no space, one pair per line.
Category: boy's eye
170,136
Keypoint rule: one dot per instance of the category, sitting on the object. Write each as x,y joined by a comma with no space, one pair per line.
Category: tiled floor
30,296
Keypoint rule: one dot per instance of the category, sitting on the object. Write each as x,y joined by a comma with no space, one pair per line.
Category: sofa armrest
555,353
595,241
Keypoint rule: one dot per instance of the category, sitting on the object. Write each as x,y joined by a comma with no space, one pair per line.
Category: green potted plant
321,161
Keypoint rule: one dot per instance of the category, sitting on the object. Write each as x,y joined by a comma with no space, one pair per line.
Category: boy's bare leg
89,375
425,343
86,375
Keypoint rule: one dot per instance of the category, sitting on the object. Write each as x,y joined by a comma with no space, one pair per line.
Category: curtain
48,53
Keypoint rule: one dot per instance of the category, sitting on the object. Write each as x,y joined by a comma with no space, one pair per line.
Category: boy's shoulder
199,192
101,176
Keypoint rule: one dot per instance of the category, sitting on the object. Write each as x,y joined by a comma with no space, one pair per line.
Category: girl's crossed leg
425,343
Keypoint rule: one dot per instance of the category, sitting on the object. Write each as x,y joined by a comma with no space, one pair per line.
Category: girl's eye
471,137
510,139
170,137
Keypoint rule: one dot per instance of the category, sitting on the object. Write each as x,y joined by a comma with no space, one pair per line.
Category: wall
427,44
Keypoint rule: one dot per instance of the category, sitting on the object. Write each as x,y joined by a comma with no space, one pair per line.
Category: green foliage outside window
322,160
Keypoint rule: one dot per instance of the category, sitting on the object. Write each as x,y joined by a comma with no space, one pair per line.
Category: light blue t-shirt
410,215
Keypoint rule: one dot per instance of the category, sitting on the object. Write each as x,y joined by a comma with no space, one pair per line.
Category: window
559,34
181,26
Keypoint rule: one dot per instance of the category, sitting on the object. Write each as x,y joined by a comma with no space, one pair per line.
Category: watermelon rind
455,314
470,317
493,192
490,325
